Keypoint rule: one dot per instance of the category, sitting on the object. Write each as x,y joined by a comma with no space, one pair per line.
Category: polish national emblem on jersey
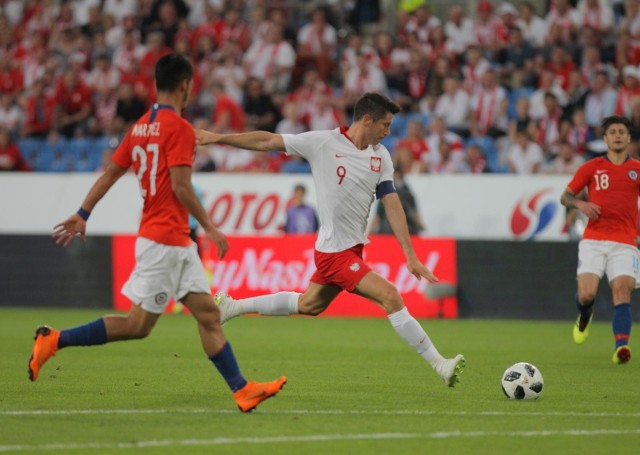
376,163
633,175
354,267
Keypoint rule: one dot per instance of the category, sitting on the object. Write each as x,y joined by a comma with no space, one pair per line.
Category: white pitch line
46,412
313,438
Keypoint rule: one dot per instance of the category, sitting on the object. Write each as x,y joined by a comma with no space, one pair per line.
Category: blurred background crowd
485,86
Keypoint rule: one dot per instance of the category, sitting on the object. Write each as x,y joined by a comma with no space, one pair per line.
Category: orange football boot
254,393
44,348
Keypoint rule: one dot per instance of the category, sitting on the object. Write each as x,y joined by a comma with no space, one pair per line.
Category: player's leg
622,270
247,394
379,290
194,286
136,324
312,302
592,258
278,304
585,298
621,288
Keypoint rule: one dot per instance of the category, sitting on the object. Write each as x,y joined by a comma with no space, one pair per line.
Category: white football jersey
346,181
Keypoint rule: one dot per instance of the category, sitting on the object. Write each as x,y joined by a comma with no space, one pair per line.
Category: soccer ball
522,381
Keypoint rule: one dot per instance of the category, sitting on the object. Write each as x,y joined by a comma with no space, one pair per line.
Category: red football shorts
344,269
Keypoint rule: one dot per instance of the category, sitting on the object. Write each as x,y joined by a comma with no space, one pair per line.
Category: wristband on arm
83,213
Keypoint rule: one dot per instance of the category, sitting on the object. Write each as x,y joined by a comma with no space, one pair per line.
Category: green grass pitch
354,387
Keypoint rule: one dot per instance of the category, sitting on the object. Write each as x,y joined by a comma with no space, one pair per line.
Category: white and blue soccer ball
522,381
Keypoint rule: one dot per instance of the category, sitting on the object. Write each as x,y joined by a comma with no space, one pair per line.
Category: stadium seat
85,154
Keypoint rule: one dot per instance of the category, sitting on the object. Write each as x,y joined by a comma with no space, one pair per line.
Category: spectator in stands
405,161
10,157
324,114
228,116
103,76
548,83
486,27
489,108
120,9
450,160
533,26
438,133
416,77
628,90
521,117
129,106
576,94
167,21
421,23
518,59
129,51
597,15
301,218
415,140
39,107
453,106
73,103
317,43
549,126
567,161
233,30
155,48
565,18
356,46
290,122
600,102
524,156
591,63
364,77
475,159
436,76
271,60
458,29
260,112
475,66
106,104
11,76
630,22
577,132
10,114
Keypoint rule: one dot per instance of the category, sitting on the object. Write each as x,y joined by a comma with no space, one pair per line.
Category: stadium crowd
493,88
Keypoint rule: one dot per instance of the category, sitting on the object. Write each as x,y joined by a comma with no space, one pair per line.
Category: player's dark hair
608,121
374,104
170,71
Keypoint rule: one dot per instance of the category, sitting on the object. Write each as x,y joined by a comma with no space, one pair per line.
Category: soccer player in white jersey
349,167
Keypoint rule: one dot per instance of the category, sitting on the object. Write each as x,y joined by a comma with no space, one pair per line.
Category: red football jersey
160,139
615,188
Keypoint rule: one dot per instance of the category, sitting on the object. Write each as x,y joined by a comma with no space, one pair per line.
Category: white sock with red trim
412,332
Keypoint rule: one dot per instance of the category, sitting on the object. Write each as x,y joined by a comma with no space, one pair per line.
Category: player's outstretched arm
398,222
76,224
260,141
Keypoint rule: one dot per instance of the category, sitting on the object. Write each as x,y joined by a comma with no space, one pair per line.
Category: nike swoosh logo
339,156
600,171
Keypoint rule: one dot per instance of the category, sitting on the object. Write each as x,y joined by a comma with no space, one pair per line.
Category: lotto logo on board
533,213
